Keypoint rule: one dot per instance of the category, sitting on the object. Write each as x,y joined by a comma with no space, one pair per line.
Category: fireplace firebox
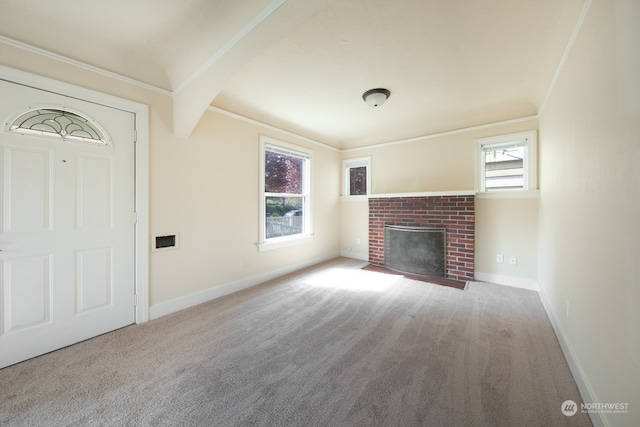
415,250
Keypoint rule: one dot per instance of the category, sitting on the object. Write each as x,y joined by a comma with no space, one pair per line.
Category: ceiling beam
192,98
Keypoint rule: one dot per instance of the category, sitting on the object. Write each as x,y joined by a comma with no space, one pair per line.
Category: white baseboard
360,257
515,282
584,387
168,307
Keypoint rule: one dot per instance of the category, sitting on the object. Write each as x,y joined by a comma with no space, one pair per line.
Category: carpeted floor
332,345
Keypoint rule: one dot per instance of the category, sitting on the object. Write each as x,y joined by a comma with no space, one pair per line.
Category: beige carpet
333,345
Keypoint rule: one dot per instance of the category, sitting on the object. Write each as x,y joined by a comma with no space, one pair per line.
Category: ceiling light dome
376,97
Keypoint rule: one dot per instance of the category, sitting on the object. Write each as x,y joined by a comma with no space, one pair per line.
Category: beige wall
589,216
508,227
446,163
206,189
354,217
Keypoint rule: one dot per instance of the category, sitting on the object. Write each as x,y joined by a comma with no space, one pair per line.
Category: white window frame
284,241
529,162
347,164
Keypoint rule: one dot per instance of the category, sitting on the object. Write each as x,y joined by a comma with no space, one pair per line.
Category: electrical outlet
357,241
500,258
513,260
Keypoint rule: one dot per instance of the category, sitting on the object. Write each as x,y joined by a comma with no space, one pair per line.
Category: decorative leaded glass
60,124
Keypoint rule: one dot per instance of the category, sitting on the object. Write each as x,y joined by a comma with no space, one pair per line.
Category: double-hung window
285,213
506,163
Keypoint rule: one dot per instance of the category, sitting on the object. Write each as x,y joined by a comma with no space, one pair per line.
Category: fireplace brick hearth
456,214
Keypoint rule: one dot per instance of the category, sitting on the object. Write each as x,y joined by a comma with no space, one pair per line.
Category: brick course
456,214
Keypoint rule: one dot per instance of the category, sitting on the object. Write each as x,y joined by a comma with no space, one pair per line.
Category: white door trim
141,113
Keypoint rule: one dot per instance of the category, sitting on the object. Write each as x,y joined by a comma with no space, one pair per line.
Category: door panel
27,189
94,284
27,295
67,240
94,193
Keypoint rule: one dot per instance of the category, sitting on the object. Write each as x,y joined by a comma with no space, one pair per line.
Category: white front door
66,229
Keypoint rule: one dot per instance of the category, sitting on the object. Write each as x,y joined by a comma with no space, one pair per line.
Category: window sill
515,194
284,242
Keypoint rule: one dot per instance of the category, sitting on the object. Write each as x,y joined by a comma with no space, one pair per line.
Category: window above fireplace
506,163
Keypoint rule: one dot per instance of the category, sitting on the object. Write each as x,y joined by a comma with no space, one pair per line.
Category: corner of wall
353,255
513,281
584,387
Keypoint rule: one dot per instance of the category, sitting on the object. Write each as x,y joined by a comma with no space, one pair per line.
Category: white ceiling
303,65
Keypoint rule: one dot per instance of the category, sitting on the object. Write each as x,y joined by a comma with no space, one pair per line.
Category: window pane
504,169
283,173
285,216
358,181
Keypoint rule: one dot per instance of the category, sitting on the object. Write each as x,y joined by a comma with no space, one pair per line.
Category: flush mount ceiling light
375,97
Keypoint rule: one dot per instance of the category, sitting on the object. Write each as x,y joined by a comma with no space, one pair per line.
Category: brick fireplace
454,213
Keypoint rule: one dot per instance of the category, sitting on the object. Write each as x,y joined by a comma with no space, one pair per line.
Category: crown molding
367,147
565,55
441,134
82,65
270,127
237,38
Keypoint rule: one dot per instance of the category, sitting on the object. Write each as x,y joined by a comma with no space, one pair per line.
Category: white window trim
530,164
265,244
355,162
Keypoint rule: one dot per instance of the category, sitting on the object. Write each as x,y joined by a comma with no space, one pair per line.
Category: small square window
357,176
506,163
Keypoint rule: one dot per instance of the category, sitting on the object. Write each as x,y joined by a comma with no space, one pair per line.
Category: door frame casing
141,176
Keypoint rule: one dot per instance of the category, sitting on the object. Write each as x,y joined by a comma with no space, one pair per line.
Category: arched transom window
59,124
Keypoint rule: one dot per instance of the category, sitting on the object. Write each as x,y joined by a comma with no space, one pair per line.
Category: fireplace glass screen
415,250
